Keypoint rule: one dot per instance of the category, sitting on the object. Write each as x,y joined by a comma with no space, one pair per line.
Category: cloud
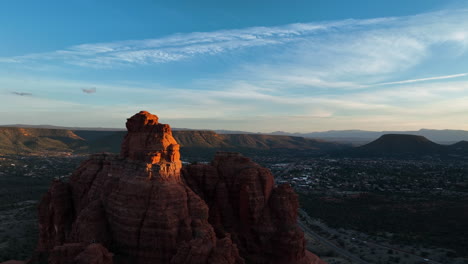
247,107
303,77
346,54
89,91
426,79
369,45
184,46
22,93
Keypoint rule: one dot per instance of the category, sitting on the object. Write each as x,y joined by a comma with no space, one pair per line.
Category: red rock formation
94,254
55,216
134,204
152,142
79,253
243,201
137,206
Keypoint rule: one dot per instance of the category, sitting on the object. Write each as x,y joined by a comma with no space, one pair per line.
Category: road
345,253
425,260
337,249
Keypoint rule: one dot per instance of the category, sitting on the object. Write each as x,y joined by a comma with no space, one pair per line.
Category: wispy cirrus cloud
252,108
167,49
183,46
452,76
338,75
364,46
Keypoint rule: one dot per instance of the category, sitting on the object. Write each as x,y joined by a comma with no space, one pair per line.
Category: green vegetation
23,181
412,219
34,140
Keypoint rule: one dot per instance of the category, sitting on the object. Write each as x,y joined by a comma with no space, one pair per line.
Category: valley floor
343,246
24,179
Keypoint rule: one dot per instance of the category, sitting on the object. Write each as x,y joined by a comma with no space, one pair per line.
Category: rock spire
151,142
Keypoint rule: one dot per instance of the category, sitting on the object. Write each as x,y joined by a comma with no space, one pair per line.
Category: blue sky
263,66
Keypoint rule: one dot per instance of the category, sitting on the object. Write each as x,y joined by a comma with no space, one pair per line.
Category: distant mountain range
196,143
356,137
34,140
16,140
64,127
408,146
445,136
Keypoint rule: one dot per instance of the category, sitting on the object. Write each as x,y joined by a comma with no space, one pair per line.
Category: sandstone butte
142,207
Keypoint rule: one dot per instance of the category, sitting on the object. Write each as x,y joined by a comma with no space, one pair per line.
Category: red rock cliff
244,201
151,142
136,208
133,205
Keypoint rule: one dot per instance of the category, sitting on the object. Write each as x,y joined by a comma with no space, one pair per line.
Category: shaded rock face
79,253
136,208
244,202
55,215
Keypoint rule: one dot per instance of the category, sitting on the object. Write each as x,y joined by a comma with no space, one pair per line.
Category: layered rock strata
137,208
245,202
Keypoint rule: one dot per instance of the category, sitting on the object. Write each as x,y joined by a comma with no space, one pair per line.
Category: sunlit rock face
151,142
137,208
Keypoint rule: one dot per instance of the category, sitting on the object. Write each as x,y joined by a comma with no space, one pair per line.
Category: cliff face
136,208
152,143
244,202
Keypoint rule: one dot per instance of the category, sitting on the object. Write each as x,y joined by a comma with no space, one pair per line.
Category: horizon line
43,126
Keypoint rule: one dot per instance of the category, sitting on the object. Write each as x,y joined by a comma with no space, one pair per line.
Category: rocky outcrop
79,253
134,205
136,208
94,254
244,201
55,216
151,142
